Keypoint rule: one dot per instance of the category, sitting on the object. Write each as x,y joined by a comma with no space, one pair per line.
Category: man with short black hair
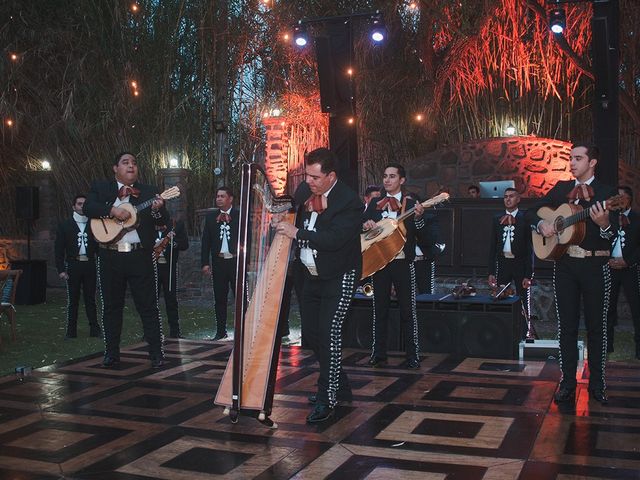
582,273
400,272
625,269
75,252
474,191
218,254
372,191
328,234
510,252
129,260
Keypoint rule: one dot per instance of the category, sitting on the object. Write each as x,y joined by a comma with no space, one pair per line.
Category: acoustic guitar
383,242
110,230
568,221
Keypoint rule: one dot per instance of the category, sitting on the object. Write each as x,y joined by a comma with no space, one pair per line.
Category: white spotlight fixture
510,130
173,163
276,112
557,20
378,30
300,36
46,165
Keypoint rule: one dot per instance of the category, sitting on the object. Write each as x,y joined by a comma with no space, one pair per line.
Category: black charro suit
431,246
326,297
627,278
135,268
168,269
81,271
586,278
401,273
223,270
506,268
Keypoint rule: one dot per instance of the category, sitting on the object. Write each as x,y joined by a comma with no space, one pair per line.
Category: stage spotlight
300,36
510,130
557,20
378,30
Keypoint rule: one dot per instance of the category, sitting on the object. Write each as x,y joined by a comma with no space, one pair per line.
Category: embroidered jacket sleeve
344,225
59,248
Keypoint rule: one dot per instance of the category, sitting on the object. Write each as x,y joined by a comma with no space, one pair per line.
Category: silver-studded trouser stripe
606,274
414,311
555,302
373,323
66,282
101,295
155,278
432,286
335,354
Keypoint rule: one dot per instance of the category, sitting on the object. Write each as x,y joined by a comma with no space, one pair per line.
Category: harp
248,382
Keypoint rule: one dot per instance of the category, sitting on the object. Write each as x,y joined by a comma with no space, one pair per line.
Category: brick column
276,163
176,177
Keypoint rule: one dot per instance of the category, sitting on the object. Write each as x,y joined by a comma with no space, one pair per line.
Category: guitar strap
402,226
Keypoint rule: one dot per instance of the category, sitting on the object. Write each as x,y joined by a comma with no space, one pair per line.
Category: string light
350,120
419,117
135,7
286,36
413,5
349,71
8,122
134,84
136,93
13,57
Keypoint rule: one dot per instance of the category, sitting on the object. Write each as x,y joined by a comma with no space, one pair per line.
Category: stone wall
534,164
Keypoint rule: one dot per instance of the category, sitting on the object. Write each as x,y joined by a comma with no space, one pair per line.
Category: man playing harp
328,234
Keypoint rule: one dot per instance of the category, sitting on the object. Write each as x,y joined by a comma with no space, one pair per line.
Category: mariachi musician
400,272
171,240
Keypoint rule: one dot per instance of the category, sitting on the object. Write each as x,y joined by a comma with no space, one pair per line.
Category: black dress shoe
110,362
157,362
320,413
599,395
220,336
565,395
377,362
413,363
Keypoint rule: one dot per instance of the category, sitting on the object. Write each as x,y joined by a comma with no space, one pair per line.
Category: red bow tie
581,192
125,191
316,203
623,220
391,202
507,219
223,218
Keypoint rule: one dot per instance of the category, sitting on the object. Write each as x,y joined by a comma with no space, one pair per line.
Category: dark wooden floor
454,419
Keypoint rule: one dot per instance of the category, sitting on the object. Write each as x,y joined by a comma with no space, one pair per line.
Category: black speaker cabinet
358,328
27,203
32,287
470,327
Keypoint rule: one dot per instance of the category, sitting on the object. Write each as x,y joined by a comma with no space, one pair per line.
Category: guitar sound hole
373,233
559,225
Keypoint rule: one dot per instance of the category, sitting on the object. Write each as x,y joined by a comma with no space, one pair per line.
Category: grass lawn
41,328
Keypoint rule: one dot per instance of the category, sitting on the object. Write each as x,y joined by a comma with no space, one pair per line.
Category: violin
463,290
162,245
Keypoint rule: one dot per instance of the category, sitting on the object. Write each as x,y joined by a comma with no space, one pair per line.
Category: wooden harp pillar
248,382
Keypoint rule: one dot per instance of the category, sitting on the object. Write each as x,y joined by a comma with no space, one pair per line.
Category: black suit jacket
416,231
631,248
337,230
520,245
66,243
104,193
211,241
558,195
180,240
431,242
